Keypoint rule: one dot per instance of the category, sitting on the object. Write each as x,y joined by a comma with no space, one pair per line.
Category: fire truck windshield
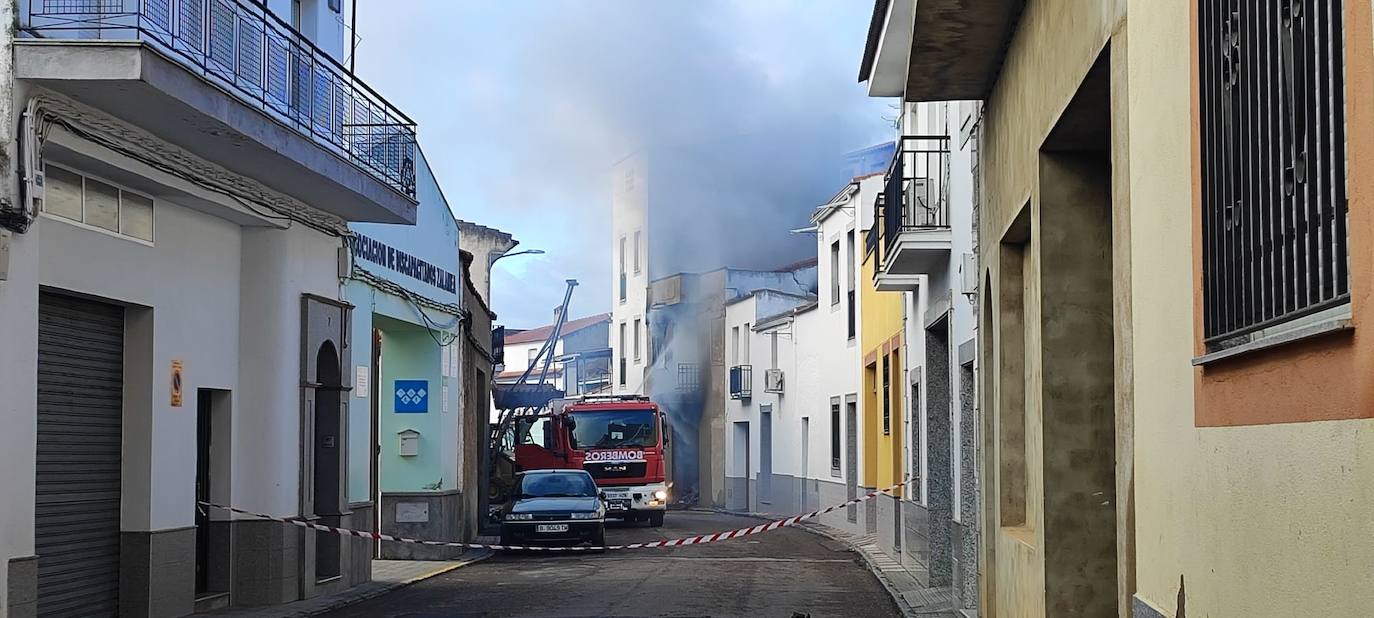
615,428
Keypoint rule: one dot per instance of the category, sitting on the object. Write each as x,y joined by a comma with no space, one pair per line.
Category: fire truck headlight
661,495
519,516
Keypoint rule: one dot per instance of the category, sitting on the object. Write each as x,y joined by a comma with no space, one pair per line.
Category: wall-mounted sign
385,255
412,512
176,383
412,396
361,388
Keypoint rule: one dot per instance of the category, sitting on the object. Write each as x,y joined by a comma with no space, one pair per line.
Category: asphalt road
786,572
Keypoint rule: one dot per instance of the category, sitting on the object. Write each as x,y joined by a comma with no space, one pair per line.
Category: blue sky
523,106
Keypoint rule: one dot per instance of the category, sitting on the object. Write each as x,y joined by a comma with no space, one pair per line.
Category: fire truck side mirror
667,433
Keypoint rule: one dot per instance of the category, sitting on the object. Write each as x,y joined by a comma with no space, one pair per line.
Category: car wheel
599,539
656,519
506,539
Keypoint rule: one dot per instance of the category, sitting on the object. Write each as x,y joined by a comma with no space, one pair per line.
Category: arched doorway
328,462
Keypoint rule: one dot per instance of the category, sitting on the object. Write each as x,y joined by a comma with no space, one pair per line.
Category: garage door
80,394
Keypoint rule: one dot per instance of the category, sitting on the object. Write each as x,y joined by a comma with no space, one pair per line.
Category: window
534,354
635,334
73,196
744,344
887,396
623,345
637,252
622,273
1272,119
835,434
849,259
734,346
834,272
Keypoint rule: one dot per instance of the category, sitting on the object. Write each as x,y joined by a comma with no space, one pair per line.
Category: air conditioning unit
772,381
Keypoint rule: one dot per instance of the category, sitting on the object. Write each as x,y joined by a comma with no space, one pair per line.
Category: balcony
911,235
937,50
742,382
230,82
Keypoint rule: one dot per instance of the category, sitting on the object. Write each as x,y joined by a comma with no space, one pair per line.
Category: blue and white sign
412,396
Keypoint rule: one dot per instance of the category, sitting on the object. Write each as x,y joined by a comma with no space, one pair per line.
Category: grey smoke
524,107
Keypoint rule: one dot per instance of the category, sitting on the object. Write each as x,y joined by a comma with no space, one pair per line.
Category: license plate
551,528
620,505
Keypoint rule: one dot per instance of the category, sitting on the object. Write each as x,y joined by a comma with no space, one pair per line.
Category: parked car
554,507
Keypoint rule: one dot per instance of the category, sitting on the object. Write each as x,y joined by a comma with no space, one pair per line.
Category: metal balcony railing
915,193
243,47
742,382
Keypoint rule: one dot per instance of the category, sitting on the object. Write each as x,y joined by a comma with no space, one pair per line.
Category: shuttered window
1273,151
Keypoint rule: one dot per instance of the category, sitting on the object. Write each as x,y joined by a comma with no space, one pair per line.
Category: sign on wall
412,396
362,388
176,383
389,257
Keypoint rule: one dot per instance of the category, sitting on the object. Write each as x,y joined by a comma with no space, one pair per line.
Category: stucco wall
1024,105
1254,520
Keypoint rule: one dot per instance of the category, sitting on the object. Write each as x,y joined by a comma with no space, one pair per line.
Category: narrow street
780,573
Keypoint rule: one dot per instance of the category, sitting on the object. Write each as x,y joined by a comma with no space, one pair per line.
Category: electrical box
410,442
968,274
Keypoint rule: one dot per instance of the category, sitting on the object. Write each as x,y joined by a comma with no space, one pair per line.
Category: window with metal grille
1272,110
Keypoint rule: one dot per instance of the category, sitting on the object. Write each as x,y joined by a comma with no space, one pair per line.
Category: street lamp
525,252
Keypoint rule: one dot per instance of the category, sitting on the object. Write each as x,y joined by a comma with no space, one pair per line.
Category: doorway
212,480
741,453
328,462
804,480
77,485
766,454
375,441
1077,345
851,455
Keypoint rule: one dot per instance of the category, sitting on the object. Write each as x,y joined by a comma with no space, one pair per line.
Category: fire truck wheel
656,519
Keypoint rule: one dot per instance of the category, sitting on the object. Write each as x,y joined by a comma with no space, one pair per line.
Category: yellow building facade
881,326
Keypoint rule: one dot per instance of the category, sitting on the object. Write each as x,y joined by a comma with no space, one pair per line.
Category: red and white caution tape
700,539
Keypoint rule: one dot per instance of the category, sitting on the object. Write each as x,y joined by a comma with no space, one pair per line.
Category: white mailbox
410,442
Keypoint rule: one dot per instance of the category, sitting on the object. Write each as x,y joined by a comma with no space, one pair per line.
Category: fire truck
621,440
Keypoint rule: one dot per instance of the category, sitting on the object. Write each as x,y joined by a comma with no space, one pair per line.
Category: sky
523,107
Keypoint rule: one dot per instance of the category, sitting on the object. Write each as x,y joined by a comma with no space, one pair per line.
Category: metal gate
80,407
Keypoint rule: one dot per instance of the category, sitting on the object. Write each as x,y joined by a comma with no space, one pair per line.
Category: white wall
278,266
629,213
190,280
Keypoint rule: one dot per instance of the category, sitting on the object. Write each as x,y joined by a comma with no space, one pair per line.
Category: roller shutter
80,406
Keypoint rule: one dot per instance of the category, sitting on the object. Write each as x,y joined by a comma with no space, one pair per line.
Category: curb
906,610
392,587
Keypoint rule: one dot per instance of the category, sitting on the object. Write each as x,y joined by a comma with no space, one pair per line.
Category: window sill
1337,323
1021,534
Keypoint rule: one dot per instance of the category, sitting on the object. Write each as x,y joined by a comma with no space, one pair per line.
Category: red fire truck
622,440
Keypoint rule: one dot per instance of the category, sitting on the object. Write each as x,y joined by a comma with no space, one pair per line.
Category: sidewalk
912,598
387,575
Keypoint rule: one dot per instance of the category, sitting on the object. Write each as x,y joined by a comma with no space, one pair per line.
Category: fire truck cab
621,440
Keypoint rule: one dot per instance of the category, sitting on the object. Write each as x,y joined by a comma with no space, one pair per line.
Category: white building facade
175,327
794,439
